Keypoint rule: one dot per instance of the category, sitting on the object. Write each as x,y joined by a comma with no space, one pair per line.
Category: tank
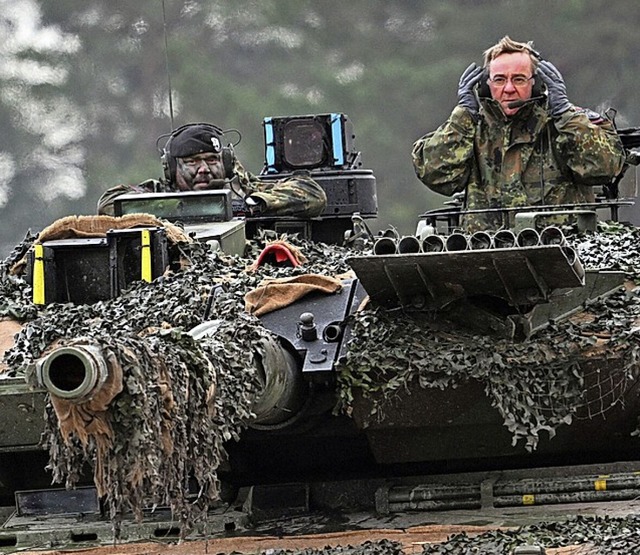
177,369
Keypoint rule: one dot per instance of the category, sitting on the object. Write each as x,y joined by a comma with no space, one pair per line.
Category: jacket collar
530,118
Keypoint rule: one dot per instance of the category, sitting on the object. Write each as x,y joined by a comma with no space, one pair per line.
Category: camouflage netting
602,536
181,399
167,424
537,385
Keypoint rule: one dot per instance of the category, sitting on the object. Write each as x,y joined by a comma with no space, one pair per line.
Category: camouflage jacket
298,195
527,159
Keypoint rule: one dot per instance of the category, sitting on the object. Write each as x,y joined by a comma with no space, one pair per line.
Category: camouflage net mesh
549,380
198,395
182,399
536,386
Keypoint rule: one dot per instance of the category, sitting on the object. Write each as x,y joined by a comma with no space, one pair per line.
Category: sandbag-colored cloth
91,418
71,227
9,327
277,293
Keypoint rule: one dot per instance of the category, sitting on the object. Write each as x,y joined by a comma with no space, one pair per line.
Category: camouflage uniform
298,195
527,159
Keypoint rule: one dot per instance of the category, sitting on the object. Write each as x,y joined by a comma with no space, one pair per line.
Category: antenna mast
166,57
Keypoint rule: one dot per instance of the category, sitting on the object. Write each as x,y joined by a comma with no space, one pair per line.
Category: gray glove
466,96
552,78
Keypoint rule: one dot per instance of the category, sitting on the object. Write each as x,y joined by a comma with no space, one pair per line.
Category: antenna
166,58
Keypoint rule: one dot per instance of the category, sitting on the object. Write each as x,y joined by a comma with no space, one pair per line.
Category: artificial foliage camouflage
592,535
183,399
15,301
159,438
536,385
601,535
381,547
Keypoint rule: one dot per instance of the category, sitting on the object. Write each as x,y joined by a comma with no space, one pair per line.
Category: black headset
169,161
536,90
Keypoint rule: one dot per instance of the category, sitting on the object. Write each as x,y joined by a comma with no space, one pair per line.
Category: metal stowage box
86,270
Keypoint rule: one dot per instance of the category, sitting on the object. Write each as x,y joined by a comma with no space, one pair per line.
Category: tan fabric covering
277,293
70,227
91,418
8,329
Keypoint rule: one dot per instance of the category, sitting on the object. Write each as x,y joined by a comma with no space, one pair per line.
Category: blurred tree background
84,84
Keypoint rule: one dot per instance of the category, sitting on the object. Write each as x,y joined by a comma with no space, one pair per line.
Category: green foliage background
84,83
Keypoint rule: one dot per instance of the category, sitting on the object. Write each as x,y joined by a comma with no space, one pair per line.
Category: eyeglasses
518,80
196,161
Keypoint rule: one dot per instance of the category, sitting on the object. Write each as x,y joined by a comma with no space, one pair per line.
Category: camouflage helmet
188,140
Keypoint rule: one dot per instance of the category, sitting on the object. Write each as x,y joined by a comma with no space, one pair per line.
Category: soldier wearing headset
194,159
515,139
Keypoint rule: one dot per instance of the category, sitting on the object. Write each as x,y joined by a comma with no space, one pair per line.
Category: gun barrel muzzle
73,372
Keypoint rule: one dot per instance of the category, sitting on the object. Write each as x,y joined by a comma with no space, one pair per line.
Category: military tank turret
166,361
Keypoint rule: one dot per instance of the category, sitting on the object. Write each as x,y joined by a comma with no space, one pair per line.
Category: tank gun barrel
73,373
78,372
283,389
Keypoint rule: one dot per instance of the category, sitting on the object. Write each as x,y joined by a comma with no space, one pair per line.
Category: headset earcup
228,161
165,166
538,86
483,85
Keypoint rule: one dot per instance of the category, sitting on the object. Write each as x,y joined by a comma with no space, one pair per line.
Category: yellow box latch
146,256
38,274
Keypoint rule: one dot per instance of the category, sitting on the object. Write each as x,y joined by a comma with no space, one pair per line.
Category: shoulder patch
594,117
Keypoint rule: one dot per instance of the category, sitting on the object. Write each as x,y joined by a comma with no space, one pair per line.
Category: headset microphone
520,103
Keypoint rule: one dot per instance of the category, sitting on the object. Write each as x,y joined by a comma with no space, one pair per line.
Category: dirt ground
317,531
412,540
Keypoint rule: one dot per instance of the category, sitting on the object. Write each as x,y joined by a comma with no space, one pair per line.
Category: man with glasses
514,139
